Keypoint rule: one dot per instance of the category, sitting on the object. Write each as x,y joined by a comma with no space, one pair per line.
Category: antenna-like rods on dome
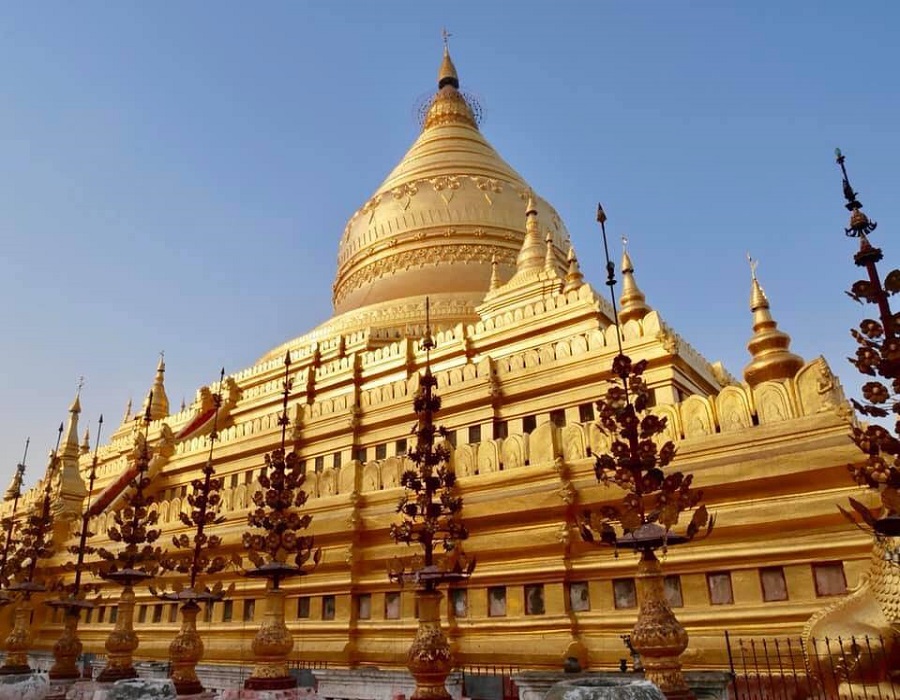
611,283
86,515
286,384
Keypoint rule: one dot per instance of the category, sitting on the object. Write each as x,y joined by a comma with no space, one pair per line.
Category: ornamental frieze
422,257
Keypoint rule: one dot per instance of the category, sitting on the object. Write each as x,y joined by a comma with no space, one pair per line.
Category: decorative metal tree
198,559
68,647
135,561
36,544
281,540
431,517
878,356
653,503
13,493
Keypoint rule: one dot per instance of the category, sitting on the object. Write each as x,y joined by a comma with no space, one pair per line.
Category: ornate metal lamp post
878,355
186,649
13,493
35,546
431,517
138,560
652,505
281,538
68,647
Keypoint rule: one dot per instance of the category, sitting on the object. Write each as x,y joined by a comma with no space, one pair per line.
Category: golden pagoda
524,346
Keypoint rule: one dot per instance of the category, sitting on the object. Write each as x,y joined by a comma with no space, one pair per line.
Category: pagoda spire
495,275
574,278
632,302
769,347
86,442
159,402
550,256
447,74
71,448
531,256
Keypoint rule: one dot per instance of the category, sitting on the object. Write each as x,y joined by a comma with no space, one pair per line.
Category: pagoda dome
433,227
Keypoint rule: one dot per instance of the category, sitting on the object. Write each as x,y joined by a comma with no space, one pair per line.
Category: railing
839,668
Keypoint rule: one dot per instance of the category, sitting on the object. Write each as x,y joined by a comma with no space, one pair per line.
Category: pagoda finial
860,225
159,403
769,347
632,302
531,256
574,278
71,449
86,441
127,416
495,276
447,74
550,256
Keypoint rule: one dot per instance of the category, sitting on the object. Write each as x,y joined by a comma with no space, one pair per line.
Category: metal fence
840,668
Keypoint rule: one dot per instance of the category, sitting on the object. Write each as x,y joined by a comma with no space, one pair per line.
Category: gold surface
122,641
429,659
67,649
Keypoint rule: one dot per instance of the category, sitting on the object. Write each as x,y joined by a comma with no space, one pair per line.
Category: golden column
136,562
68,647
431,512
280,494
35,545
654,499
198,559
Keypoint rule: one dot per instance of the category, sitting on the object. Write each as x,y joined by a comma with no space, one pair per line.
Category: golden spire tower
769,347
159,402
632,302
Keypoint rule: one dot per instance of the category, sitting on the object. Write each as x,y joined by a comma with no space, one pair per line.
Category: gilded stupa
524,346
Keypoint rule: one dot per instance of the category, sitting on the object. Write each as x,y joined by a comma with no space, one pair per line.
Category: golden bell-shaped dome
433,227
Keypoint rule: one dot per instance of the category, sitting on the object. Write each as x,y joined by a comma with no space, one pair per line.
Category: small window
303,607
773,583
173,613
586,412
227,611
90,613
101,614
830,578
113,614
392,606
459,599
496,601
558,418
579,596
327,607
336,460
529,423
249,610
320,464
364,606
451,436
142,613
501,430
534,599
720,591
402,447
360,454
207,613
672,588
624,593
234,481
474,434
183,491
248,477
381,451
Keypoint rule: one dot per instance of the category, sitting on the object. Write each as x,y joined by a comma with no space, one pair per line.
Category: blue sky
177,175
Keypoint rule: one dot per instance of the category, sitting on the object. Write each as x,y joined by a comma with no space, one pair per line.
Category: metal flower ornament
877,356
637,465
281,549
654,500
430,507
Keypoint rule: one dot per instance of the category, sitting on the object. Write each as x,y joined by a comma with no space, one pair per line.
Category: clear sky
177,175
